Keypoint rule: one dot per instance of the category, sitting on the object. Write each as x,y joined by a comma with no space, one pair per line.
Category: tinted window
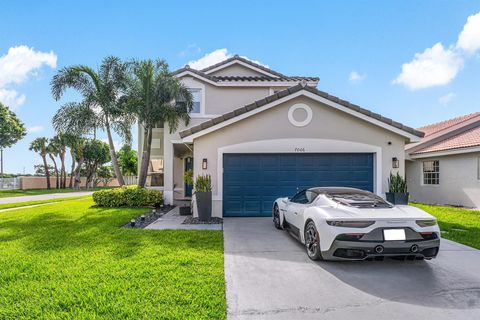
304,197
359,200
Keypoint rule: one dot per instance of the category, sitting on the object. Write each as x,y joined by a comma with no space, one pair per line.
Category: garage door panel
251,182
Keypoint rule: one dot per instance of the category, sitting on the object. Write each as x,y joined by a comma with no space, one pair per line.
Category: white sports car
352,224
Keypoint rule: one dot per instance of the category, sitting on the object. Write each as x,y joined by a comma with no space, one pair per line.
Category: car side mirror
285,200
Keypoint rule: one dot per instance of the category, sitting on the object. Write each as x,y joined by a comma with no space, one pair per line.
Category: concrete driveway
48,196
269,276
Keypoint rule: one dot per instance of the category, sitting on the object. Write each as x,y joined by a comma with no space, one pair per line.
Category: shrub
203,183
128,196
397,183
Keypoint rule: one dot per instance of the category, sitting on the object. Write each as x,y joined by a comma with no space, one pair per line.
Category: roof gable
237,60
236,69
290,93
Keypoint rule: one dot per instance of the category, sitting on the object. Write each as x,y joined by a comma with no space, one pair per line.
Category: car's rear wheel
312,242
276,217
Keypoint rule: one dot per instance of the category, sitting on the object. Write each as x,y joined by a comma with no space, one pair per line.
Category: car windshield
359,200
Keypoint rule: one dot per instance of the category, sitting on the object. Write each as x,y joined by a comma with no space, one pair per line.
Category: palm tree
53,150
39,145
61,145
73,143
155,95
99,108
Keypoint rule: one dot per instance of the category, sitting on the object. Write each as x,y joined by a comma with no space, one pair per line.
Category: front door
188,166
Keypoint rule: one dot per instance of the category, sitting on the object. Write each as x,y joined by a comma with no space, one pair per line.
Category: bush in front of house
128,196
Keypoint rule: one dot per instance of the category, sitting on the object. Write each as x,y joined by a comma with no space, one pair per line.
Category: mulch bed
212,220
147,218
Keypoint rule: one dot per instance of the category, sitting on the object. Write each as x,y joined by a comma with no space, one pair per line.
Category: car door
294,209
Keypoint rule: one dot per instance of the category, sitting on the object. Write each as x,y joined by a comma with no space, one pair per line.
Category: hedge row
128,196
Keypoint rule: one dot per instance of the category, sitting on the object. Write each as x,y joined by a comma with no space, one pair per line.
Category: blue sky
357,48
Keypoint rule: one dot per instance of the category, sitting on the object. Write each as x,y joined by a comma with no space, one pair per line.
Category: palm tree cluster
113,98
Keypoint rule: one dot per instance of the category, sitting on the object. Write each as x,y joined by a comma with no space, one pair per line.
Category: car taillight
426,223
350,224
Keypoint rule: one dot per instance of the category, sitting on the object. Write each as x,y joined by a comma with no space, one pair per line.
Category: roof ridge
463,118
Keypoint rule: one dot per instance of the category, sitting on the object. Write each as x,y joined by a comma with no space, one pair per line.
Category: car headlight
426,223
350,224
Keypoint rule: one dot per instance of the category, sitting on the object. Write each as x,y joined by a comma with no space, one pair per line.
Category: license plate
394,234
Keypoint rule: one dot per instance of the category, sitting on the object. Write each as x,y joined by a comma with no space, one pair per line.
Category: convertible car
352,224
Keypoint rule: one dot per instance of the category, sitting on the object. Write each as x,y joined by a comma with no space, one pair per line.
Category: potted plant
186,210
203,196
397,187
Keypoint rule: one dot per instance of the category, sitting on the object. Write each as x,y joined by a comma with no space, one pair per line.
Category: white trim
307,119
245,83
190,83
444,153
310,146
314,97
243,64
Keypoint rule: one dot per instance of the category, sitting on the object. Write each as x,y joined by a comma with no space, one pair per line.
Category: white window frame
423,173
202,103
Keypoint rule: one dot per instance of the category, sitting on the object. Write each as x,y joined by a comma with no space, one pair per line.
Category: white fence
9,183
129,180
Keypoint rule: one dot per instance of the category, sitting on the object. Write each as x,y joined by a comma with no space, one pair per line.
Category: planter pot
185,211
204,205
397,198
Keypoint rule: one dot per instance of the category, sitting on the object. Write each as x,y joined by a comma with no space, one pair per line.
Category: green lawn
71,261
461,225
36,202
33,192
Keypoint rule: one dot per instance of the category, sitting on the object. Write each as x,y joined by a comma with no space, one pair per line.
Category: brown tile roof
220,79
444,125
287,92
467,139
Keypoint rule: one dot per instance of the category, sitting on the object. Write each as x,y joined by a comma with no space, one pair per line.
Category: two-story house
261,134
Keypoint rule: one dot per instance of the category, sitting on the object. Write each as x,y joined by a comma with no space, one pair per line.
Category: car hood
396,212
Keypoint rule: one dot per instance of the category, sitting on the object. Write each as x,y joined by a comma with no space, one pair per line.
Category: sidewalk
44,197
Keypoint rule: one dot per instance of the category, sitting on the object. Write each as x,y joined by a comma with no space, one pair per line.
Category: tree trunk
63,173
56,170
145,162
113,157
70,184
77,174
47,172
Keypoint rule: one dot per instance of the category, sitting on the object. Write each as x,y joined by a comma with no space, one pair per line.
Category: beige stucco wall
327,123
459,183
220,100
236,70
27,183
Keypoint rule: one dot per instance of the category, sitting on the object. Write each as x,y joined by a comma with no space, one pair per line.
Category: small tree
104,175
11,130
96,153
60,143
128,160
53,149
39,145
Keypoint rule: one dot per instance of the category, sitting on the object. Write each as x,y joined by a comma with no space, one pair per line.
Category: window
304,197
431,172
478,168
197,99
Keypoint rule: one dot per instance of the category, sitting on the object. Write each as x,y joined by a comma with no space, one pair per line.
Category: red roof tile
466,139
436,127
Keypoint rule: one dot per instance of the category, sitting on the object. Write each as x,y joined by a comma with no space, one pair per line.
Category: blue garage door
251,182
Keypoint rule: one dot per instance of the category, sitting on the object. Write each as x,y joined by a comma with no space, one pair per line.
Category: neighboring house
262,135
444,167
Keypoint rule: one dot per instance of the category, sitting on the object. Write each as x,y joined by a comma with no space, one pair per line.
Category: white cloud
214,57
16,66
469,38
446,99
356,77
35,129
433,67
437,66
11,98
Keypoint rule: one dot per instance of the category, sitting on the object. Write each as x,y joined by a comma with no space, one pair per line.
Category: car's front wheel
312,242
276,217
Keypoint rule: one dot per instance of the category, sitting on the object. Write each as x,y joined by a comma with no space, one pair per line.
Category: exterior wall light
395,163
204,164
